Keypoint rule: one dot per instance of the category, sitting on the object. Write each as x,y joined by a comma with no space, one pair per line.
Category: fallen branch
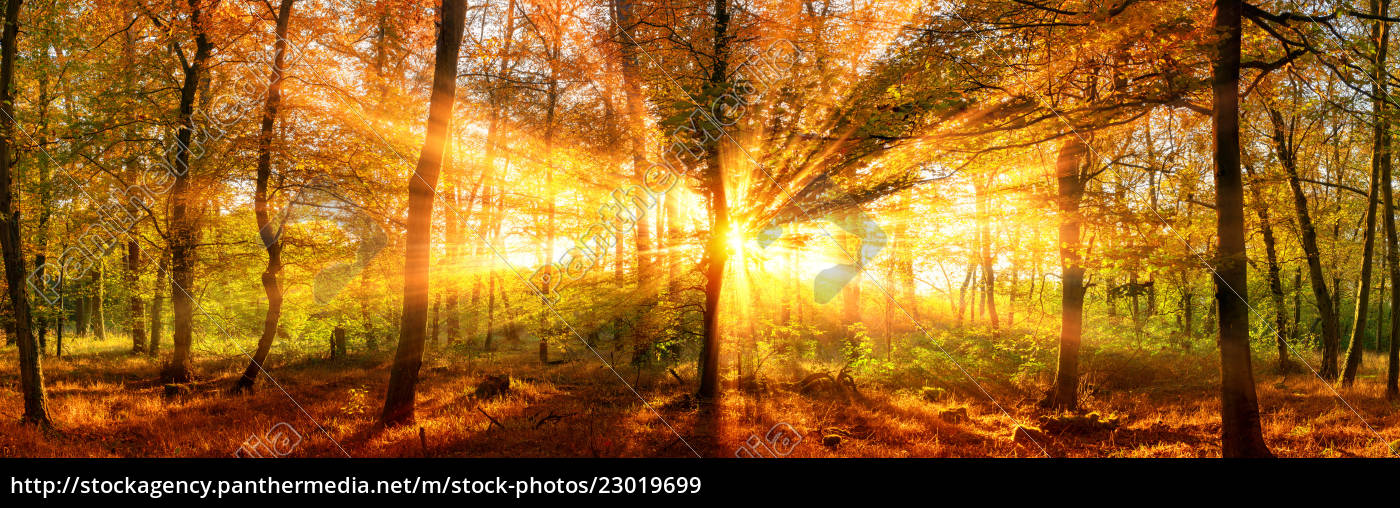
488,417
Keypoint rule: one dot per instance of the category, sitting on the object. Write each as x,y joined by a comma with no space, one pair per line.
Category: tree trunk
436,333
717,249
1070,184
1326,311
31,373
403,376
157,308
984,220
136,308
1275,282
80,315
182,227
647,284
338,346
1296,332
962,292
135,305
45,311
58,330
1240,432
1355,346
99,300
271,234
552,103
1380,168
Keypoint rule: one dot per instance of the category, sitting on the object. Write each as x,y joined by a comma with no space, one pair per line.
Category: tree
182,198
31,372
1380,169
1275,281
1240,432
717,248
271,235
1285,148
403,375
1070,178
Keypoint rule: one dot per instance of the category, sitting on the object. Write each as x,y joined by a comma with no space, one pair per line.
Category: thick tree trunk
717,249
270,234
182,227
716,261
1070,184
1240,432
1392,377
403,376
31,373
338,346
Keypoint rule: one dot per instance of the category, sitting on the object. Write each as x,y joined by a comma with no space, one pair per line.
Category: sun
736,243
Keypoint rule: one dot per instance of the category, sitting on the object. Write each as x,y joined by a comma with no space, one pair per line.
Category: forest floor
105,404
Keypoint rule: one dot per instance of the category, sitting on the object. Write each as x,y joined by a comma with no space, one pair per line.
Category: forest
699,228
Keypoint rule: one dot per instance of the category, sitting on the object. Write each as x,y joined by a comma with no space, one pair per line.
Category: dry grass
105,405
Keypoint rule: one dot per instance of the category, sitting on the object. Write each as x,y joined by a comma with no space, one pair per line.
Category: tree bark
647,283
99,300
403,376
1070,185
1240,432
1355,346
135,307
270,234
1284,148
182,227
1380,169
717,249
157,307
984,220
1275,281
31,373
